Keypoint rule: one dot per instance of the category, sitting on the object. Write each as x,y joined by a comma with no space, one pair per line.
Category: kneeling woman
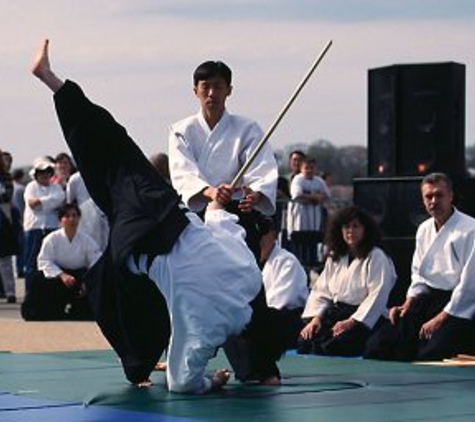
351,294
58,291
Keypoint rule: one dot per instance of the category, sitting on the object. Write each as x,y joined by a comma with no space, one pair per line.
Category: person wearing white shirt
59,291
305,223
42,200
286,287
208,149
349,298
436,319
93,221
285,280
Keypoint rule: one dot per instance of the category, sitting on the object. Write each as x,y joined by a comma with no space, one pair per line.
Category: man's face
212,94
295,160
308,170
437,199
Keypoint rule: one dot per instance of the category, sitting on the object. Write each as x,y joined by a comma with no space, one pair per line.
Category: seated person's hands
397,312
68,280
431,326
312,328
341,326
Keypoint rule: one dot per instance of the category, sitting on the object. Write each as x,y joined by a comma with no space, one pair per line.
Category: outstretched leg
144,217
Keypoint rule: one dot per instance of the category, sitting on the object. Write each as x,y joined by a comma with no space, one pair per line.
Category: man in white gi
435,321
286,287
285,280
207,150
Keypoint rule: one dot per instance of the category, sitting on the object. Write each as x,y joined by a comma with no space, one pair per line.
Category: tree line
343,163
347,162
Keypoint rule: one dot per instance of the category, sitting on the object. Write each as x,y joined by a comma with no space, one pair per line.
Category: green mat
314,389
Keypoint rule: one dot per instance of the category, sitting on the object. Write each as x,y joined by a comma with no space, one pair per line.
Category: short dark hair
334,236
298,152
18,174
434,178
64,209
309,160
212,69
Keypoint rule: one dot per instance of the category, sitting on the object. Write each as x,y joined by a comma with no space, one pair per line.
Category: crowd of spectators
37,208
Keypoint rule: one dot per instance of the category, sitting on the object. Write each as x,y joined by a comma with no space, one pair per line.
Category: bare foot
271,381
220,379
41,63
144,384
161,366
41,68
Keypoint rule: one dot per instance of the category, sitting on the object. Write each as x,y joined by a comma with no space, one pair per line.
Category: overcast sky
136,58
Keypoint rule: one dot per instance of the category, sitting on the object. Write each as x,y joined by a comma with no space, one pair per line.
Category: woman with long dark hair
351,293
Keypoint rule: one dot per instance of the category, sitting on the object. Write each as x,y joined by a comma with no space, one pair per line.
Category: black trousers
401,342
254,353
349,343
49,299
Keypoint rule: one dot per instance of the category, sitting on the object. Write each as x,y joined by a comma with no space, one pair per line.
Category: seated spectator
436,319
285,280
349,298
58,291
285,283
304,213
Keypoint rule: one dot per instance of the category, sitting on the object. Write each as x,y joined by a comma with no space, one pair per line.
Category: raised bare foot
41,68
41,64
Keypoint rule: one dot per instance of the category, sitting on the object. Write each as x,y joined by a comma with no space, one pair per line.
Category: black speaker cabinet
416,119
395,204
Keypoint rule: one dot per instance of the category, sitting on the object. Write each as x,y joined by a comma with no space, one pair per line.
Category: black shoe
11,299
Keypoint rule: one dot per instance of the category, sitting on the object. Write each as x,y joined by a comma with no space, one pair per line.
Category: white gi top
365,283
200,157
301,215
45,215
445,260
93,221
285,280
58,253
208,280
76,189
